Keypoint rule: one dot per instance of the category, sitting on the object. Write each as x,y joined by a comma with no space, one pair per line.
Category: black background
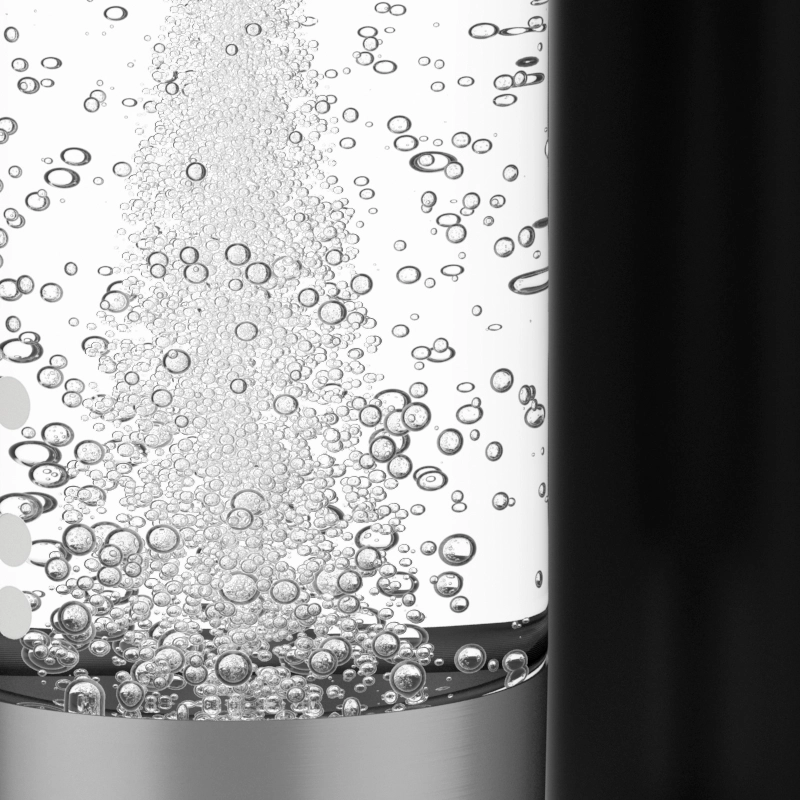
675,442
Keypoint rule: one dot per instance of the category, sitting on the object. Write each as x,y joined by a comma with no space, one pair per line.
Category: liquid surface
275,294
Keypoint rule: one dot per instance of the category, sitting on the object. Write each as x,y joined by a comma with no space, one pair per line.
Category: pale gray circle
15,405
15,613
15,540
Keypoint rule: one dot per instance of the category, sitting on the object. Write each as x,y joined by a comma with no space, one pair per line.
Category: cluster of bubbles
368,56
520,78
248,448
28,84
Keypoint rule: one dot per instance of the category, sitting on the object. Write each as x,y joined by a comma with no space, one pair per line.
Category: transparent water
274,282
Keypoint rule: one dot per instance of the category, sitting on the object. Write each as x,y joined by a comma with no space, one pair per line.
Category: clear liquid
275,282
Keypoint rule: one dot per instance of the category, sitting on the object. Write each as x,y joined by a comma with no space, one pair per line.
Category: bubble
89,452
37,201
504,247
510,172
483,30
526,236
505,100
430,479
421,353
494,451
130,695
457,549
233,669
19,64
407,678
62,178
50,377
57,569
534,416
399,124
285,404
85,696
456,234
28,85
350,115
252,29
361,284
470,658
408,275
452,270
431,161
231,49
450,441
500,501
239,588
246,331
400,331
382,448
502,380
75,156
162,539
78,539
74,617
400,466
11,35
448,584
257,273
115,13
122,169
530,282
284,591
515,660
237,254
469,414
428,199
406,143
308,298
176,361
459,605
332,312
384,67
91,104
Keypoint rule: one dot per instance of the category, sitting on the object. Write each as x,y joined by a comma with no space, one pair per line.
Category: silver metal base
488,747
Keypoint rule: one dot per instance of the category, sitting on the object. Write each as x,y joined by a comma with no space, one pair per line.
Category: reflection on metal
476,749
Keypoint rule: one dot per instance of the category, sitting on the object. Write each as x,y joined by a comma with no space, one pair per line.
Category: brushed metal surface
485,748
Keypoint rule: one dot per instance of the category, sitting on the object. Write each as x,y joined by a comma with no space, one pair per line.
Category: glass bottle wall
274,282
